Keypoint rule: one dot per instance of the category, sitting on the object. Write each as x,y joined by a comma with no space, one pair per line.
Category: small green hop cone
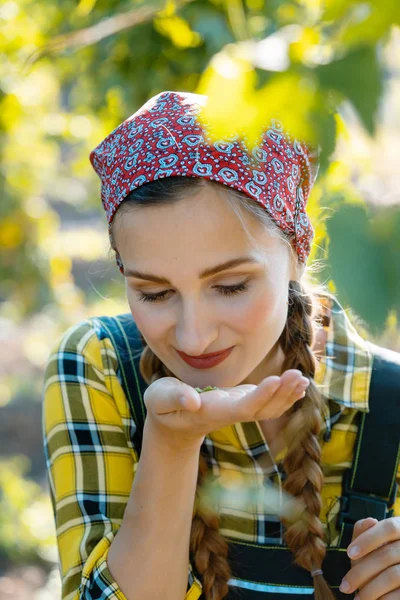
206,389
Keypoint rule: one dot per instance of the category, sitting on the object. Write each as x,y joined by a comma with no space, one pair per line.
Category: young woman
163,487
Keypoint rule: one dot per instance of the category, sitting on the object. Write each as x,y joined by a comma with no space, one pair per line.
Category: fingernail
304,384
344,586
357,598
353,552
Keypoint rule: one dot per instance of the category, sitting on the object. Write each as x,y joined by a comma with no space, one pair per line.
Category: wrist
168,441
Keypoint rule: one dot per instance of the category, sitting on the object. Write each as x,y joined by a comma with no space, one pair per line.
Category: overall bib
267,572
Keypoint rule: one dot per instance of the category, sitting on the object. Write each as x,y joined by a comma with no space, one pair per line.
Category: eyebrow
230,264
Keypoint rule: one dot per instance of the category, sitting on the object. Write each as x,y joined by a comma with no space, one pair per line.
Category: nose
194,333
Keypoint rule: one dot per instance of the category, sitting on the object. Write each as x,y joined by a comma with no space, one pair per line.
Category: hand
183,416
375,570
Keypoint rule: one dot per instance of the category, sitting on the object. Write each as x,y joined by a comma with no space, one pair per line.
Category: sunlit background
70,72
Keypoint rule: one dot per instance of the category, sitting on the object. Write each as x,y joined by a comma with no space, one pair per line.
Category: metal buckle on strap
355,506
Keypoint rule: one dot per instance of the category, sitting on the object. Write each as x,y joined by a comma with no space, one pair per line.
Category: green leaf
358,264
358,76
209,388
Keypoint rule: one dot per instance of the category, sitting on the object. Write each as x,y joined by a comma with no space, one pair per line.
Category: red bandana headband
164,138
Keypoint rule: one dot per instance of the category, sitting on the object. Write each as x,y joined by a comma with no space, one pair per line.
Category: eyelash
228,290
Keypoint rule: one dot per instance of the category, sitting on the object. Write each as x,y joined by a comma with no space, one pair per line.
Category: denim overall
369,487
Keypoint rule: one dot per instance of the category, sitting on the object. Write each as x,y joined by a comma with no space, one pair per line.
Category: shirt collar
343,373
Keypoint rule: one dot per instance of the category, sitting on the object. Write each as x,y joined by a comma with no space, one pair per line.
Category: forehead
205,214
190,234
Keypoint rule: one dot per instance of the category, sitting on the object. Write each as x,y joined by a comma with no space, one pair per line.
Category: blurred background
70,72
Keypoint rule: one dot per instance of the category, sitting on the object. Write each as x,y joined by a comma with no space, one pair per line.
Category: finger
394,595
281,402
359,527
245,407
269,398
362,525
241,403
371,566
385,583
242,389
192,400
291,389
383,532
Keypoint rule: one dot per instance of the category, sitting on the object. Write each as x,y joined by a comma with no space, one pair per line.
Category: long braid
208,546
302,463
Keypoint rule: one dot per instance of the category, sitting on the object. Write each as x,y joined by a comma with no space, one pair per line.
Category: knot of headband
164,138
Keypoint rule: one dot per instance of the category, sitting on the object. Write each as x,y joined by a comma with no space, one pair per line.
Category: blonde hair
305,536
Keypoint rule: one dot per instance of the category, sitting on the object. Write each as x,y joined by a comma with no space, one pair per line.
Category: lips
204,355
206,361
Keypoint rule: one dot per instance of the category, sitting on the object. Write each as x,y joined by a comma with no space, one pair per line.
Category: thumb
189,398
168,394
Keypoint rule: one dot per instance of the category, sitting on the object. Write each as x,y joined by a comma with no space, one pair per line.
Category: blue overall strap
125,337
369,486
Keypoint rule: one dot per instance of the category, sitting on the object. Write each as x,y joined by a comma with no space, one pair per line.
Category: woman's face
191,313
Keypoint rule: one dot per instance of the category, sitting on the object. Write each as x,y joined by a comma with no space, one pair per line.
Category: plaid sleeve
90,461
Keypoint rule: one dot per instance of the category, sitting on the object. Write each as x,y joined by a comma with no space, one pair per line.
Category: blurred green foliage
366,267
72,70
26,525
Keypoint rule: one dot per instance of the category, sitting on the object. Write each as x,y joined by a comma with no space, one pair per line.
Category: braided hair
302,463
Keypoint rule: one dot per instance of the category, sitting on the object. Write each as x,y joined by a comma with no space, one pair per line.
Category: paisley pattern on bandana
164,138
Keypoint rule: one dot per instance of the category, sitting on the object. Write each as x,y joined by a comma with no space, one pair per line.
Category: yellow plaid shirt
91,459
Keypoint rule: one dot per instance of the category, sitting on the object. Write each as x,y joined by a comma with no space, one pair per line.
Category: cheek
146,321
268,310
150,327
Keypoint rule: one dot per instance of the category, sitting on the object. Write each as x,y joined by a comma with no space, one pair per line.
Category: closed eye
225,290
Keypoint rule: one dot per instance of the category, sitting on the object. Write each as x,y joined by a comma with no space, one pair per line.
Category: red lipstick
206,361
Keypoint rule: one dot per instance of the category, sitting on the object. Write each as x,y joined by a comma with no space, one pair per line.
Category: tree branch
99,31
